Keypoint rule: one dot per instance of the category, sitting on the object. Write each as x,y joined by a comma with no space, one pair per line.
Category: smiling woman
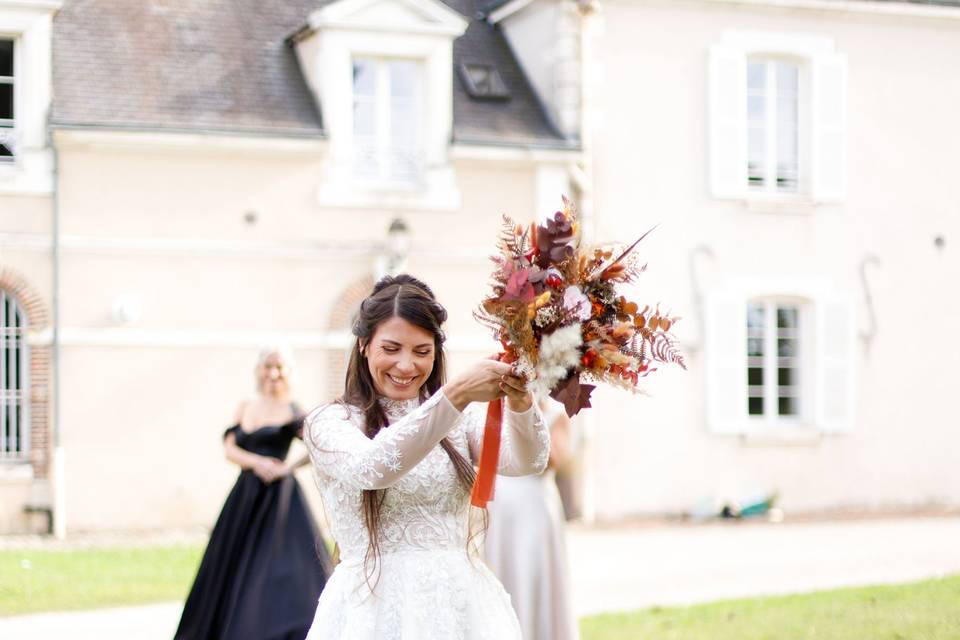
394,460
400,356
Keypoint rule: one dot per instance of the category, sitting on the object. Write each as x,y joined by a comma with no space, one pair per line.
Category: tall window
387,128
7,86
774,361
773,123
13,379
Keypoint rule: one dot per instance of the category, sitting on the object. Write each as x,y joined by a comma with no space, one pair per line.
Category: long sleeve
524,439
339,449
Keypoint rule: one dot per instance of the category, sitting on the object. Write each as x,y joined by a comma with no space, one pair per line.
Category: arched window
14,379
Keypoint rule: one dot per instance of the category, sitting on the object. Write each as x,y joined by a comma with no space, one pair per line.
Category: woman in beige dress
525,541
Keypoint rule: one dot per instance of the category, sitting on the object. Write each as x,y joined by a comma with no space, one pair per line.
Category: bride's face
400,356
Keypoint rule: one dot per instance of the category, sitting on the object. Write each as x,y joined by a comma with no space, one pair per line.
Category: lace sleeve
339,449
524,440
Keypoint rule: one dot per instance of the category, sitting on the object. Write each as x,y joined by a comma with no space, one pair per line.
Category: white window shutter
836,352
829,135
726,362
728,122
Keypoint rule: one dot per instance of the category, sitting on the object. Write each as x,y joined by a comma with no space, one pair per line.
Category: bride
394,461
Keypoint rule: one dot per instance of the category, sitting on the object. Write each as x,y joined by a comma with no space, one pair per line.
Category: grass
928,610
32,581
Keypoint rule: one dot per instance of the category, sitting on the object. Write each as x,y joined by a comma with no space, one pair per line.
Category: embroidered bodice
424,505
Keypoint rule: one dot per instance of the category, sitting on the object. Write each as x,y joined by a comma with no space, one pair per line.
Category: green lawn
927,610
85,579
59,580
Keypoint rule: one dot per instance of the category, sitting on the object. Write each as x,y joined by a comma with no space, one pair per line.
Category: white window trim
353,28
726,404
30,24
811,52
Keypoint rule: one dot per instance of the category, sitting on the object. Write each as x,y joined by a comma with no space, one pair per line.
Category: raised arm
524,439
339,449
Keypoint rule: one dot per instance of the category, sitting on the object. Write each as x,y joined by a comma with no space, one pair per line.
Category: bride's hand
479,383
515,387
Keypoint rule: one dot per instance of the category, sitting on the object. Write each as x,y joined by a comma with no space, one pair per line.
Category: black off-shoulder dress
265,564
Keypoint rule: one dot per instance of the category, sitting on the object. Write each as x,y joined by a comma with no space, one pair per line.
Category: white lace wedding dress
426,584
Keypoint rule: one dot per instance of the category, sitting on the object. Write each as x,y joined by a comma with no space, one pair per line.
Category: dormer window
483,82
7,131
387,129
382,72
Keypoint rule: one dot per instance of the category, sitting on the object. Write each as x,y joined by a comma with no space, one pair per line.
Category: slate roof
218,65
521,119
223,65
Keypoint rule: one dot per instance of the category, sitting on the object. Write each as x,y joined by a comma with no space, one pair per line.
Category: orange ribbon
489,456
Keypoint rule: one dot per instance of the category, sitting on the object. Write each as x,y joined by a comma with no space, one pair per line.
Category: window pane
755,316
364,118
364,77
756,122
755,335
787,406
404,125
757,75
404,120
404,79
786,348
787,317
787,76
786,376
6,57
365,161
6,101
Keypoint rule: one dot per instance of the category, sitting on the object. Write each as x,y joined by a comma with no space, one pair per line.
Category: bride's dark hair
405,297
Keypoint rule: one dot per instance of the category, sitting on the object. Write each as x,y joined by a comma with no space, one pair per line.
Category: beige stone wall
655,454
144,405
26,274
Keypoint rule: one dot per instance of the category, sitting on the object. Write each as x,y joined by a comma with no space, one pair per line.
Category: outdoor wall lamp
398,245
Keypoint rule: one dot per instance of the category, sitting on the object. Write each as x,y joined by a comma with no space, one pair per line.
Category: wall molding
70,137
123,337
206,248
896,9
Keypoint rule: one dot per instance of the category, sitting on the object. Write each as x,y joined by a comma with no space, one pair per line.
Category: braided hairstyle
409,298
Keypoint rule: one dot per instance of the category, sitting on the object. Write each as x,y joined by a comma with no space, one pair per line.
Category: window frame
771,417
30,25
822,116
12,81
772,128
828,347
384,178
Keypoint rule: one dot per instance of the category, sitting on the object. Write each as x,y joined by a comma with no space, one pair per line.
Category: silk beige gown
525,549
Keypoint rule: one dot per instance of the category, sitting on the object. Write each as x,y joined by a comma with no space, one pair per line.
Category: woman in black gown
265,564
